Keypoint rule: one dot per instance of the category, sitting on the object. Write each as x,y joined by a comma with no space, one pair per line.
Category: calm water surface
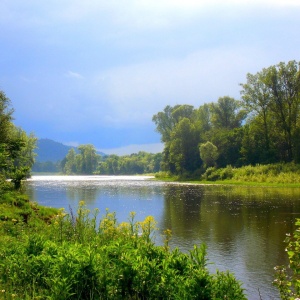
243,227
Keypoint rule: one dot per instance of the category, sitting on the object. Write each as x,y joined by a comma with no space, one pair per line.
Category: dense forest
261,128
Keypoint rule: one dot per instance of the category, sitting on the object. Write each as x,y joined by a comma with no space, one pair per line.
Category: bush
81,258
288,279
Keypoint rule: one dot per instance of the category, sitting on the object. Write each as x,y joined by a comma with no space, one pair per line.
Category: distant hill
49,150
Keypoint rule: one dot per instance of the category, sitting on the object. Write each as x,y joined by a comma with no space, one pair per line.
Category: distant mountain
49,150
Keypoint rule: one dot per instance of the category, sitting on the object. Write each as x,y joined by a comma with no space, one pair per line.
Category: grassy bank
287,175
48,254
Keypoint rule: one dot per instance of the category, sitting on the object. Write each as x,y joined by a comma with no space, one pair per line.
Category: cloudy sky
96,71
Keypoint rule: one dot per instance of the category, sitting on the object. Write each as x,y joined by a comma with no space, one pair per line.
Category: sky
95,71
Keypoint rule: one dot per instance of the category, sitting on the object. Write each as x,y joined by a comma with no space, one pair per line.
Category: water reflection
242,227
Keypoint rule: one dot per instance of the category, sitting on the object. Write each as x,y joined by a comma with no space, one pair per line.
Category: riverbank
272,175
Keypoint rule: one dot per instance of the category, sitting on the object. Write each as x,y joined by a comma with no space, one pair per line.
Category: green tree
87,159
70,164
273,95
209,154
5,118
283,81
227,113
256,99
184,152
164,122
16,147
204,116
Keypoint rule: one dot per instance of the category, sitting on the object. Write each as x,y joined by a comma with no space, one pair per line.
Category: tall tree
183,149
164,122
227,113
256,99
87,159
70,163
274,96
283,81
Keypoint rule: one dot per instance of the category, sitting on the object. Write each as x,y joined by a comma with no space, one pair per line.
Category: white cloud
200,77
74,75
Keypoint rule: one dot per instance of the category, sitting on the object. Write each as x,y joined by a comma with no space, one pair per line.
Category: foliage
79,257
208,153
85,162
272,97
16,147
288,280
136,163
272,173
88,162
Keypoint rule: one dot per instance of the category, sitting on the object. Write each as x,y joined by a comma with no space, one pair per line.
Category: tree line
87,161
262,127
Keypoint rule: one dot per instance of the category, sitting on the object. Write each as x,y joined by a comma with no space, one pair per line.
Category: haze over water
243,227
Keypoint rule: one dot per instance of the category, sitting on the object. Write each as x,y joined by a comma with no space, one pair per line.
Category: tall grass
77,256
280,173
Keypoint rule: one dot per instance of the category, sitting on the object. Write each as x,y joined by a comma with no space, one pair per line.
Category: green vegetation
261,128
16,147
280,173
87,161
137,163
288,279
77,257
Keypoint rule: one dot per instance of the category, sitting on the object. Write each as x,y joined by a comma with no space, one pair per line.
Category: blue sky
96,71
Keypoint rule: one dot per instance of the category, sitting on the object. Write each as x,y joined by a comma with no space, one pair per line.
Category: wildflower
3,291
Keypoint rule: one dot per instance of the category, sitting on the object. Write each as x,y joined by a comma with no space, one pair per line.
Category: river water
243,227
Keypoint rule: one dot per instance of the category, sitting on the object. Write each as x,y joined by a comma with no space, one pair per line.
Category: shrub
81,258
288,279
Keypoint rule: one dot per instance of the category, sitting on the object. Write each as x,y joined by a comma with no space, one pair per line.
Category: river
243,227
